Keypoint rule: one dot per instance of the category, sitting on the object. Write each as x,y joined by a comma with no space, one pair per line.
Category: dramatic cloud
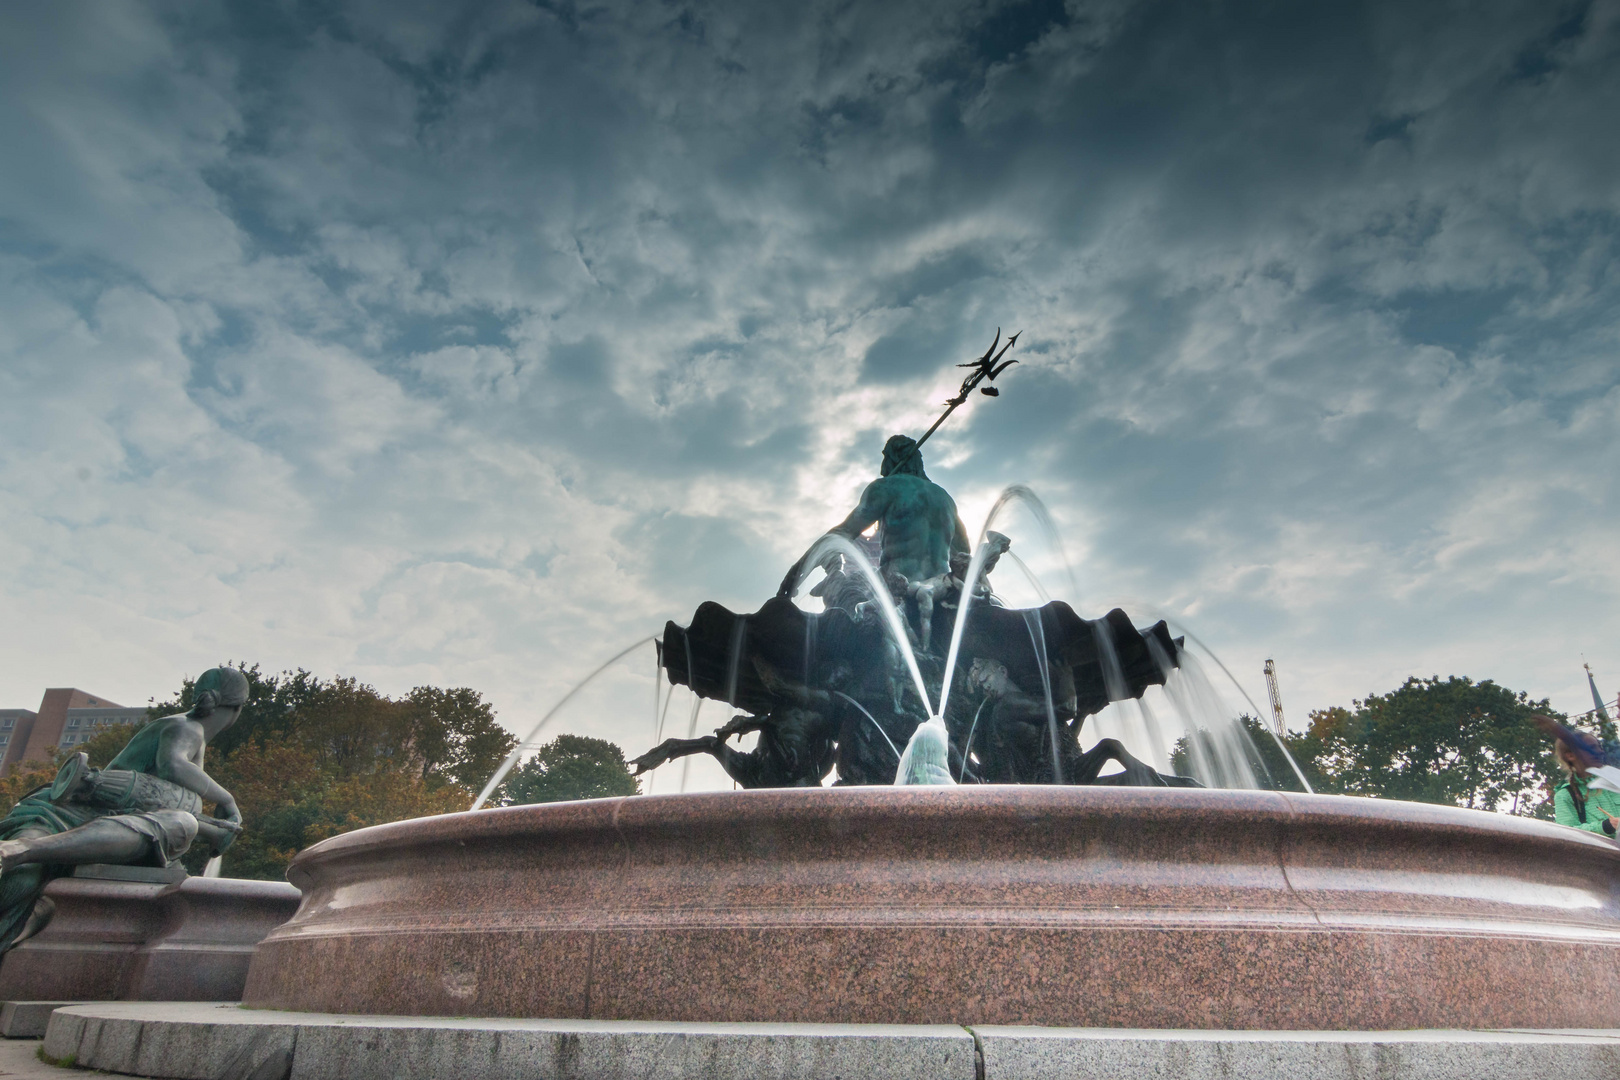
467,344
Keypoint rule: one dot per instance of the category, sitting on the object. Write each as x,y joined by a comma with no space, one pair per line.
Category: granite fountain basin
1029,905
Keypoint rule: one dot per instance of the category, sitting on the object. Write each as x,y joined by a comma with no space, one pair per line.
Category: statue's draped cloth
161,812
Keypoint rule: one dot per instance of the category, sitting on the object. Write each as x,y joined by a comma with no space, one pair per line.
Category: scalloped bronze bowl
1112,907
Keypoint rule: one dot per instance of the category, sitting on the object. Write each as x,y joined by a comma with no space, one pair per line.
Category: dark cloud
507,319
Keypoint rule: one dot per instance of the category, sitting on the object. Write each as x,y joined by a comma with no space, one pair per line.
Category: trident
985,367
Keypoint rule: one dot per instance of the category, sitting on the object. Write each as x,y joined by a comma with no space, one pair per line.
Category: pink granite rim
734,809
1028,905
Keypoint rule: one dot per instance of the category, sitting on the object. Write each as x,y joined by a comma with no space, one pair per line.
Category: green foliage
1265,758
1453,741
31,775
104,745
25,777
455,735
69,1062
570,767
273,702
310,758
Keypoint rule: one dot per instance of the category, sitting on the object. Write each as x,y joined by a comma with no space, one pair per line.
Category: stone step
26,1019
227,1042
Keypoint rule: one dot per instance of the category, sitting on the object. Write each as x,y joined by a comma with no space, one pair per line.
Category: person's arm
1605,806
863,517
176,747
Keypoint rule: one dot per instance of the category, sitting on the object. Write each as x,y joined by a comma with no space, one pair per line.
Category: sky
466,344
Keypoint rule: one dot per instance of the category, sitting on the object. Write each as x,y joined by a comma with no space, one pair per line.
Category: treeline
311,758
1451,741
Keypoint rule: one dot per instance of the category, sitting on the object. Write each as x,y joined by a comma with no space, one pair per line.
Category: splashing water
1029,576
528,742
1215,742
691,733
663,714
1219,751
1037,639
873,719
927,757
1013,493
1287,756
1153,734
1114,683
739,634
1019,494
1211,718
831,544
967,746
658,696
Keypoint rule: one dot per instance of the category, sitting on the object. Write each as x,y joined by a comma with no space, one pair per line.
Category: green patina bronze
849,686
918,526
144,809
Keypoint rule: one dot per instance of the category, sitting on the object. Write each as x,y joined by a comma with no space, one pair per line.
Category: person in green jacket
1579,805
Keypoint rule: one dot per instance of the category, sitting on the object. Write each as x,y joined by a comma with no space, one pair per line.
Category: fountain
922,838
843,687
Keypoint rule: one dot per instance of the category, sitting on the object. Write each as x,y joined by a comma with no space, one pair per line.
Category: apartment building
14,727
66,717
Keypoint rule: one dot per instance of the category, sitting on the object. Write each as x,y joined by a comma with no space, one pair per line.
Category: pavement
19,1060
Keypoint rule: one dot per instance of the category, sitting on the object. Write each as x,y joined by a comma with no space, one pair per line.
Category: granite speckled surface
118,939
1074,907
225,1042
1012,1053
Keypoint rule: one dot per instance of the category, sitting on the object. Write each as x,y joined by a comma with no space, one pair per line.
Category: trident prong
983,368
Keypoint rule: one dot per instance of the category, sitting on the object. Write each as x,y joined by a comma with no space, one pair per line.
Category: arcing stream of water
1185,726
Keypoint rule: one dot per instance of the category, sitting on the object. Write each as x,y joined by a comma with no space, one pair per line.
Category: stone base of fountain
1055,906
225,1042
136,934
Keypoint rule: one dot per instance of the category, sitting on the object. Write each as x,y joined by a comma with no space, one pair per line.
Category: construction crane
1276,700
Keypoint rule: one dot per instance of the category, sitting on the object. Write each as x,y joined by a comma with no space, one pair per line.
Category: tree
570,767
454,734
1454,742
1259,749
29,776
26,777
310,758
291,799
273,702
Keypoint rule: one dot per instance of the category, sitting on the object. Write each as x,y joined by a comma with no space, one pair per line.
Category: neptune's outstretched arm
866,514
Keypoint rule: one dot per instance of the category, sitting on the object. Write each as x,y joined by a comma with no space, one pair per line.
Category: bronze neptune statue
840,689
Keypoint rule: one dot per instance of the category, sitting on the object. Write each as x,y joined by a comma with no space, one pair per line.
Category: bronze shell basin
1064,906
